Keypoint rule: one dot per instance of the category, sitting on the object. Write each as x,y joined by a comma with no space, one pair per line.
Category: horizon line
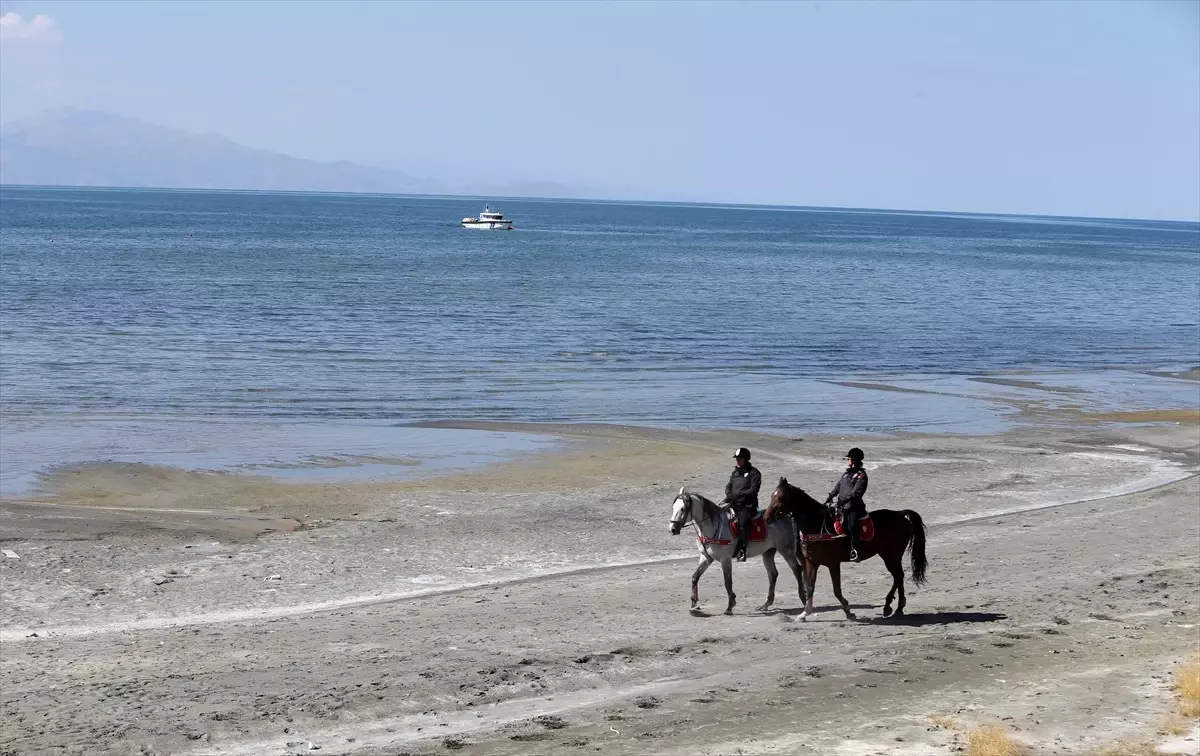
608,200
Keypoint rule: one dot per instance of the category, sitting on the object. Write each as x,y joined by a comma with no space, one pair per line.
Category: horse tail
917,546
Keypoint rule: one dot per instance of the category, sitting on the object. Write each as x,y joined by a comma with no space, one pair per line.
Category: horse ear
782,481
681,491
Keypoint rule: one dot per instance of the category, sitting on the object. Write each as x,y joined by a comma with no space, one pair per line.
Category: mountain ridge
69,147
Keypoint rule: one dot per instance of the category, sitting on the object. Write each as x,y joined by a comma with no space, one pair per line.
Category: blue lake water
168,306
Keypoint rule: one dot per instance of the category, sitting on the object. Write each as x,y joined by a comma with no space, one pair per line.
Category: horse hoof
887,611
763,608
802,617
850,616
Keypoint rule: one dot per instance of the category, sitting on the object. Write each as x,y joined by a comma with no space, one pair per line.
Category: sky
1057,108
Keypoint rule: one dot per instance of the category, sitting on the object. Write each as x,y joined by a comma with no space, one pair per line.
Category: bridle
686,513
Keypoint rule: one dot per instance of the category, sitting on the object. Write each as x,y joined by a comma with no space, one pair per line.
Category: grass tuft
992,741
1187,687
945,722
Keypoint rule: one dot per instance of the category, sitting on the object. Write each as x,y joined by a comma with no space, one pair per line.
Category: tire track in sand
239,616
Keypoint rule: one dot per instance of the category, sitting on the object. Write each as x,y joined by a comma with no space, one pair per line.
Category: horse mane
796,497
711,509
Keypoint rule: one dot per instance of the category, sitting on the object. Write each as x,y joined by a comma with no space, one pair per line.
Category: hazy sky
1075,108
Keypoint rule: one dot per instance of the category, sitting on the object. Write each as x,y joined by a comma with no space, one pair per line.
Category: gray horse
714,539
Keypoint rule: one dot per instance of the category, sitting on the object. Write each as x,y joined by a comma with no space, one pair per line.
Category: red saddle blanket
758,529
866,528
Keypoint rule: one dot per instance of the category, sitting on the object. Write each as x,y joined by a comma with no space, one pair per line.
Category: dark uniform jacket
742,488
850,489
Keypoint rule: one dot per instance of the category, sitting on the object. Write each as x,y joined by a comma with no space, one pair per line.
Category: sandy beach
540,605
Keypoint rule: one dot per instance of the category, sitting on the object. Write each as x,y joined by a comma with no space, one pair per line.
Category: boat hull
489,225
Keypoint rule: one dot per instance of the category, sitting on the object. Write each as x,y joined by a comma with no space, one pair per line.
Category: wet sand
1179,416
1027,384
540,606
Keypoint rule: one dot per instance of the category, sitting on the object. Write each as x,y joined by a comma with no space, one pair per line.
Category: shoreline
335,450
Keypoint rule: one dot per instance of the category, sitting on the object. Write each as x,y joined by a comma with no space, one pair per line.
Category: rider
849,493
742,492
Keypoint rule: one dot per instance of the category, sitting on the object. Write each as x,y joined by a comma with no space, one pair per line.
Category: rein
700,531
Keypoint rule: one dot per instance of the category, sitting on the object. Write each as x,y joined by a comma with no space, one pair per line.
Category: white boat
489,220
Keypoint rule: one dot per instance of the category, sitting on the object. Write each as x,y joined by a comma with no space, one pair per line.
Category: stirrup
854,555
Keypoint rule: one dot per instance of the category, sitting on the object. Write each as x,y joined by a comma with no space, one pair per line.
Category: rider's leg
744,516
850,526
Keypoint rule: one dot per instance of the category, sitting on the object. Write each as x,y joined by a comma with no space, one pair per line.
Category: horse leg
892,565
794,564
727,571
896,567
810,583
772,575
835,574
705,561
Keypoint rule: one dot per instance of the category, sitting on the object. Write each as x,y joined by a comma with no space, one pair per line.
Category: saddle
758,526
866,531
866,528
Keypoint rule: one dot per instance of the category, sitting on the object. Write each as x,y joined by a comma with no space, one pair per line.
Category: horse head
681,511
793,500
778,506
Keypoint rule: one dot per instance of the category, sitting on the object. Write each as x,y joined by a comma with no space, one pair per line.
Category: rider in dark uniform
849,494
742,492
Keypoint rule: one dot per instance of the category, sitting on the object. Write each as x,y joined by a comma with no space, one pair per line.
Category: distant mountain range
91,148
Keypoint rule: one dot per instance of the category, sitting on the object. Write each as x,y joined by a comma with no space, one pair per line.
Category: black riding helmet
741,451
856,455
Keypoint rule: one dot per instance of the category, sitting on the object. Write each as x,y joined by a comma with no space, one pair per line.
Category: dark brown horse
894,533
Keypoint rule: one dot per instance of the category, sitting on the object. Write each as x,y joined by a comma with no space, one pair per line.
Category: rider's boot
740,551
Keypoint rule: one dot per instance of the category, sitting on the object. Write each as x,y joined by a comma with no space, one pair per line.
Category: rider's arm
755,483
728,490
860,484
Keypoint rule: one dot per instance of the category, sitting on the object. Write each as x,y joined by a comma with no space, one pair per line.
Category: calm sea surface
157,307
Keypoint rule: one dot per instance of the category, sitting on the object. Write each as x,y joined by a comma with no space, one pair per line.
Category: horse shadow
936,618
905,620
